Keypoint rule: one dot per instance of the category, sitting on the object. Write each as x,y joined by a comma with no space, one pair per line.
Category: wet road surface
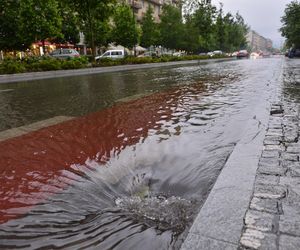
137,162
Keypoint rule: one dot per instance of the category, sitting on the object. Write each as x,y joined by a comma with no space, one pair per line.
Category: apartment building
140,7
257,42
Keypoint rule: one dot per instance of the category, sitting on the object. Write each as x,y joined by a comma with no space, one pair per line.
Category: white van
113,54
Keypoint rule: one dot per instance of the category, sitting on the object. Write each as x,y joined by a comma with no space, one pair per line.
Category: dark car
242,54
294,53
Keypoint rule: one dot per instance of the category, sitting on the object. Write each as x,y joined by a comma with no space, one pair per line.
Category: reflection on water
130,176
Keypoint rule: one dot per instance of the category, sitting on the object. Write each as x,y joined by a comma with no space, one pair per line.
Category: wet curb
220,221
88,71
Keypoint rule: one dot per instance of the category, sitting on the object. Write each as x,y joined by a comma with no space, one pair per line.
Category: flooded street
136,162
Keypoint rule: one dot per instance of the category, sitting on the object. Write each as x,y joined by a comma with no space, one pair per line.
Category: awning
140,48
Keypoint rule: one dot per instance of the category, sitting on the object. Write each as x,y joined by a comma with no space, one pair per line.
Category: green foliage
39,20
33,64
11,66
10,38
125,31
70,24
204,18
291,24
93,17
150,31
171,28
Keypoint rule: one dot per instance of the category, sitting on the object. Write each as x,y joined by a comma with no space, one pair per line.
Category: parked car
210,53
294,53
64,53
254,55
217,52
234,53
112,54
148,54
178,54
242,54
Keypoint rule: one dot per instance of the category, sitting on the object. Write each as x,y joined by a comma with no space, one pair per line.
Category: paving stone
294,169
270,154
274,132
274,119
292,183
289,222
273,147
275,125
266,179
271,142
287,242
278,115
288,119
265,205
274,137
294,149
255,239
269,191
269,162
271,170
290,135
260,221
289,157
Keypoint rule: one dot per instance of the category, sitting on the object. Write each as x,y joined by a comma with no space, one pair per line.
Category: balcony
156,2
135,4
140,17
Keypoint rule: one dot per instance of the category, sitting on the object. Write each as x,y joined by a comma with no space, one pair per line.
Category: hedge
35,64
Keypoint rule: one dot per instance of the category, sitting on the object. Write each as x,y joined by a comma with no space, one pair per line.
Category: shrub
11,66
32,64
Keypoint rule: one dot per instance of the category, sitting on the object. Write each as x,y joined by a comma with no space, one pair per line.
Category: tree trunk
43,44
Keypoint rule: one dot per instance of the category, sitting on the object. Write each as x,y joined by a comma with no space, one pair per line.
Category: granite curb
221,220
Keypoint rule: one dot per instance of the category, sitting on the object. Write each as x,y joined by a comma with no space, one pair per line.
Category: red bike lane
32,165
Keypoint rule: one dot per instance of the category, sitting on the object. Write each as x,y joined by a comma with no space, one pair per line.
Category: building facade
257,42
140,7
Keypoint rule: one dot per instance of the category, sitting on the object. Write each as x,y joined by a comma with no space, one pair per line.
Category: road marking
14,132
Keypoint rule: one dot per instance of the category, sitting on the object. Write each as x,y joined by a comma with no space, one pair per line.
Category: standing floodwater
137,161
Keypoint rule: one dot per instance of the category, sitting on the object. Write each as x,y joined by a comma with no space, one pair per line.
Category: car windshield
55,52
66,51
106,54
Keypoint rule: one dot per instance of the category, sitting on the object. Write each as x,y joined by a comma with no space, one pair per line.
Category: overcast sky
262,15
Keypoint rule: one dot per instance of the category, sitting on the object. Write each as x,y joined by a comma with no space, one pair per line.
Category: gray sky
262,15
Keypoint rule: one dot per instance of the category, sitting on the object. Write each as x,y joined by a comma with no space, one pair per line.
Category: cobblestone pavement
273,218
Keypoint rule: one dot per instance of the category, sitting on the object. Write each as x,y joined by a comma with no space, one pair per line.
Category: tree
204,21
171,28
39,20
191,35
125,31
150,31
70,24
9,26
93,16
291,24
220,29
240,30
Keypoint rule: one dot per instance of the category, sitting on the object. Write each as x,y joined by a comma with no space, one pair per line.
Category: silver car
64,53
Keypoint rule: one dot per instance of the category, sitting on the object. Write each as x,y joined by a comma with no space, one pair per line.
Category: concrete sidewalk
88,71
